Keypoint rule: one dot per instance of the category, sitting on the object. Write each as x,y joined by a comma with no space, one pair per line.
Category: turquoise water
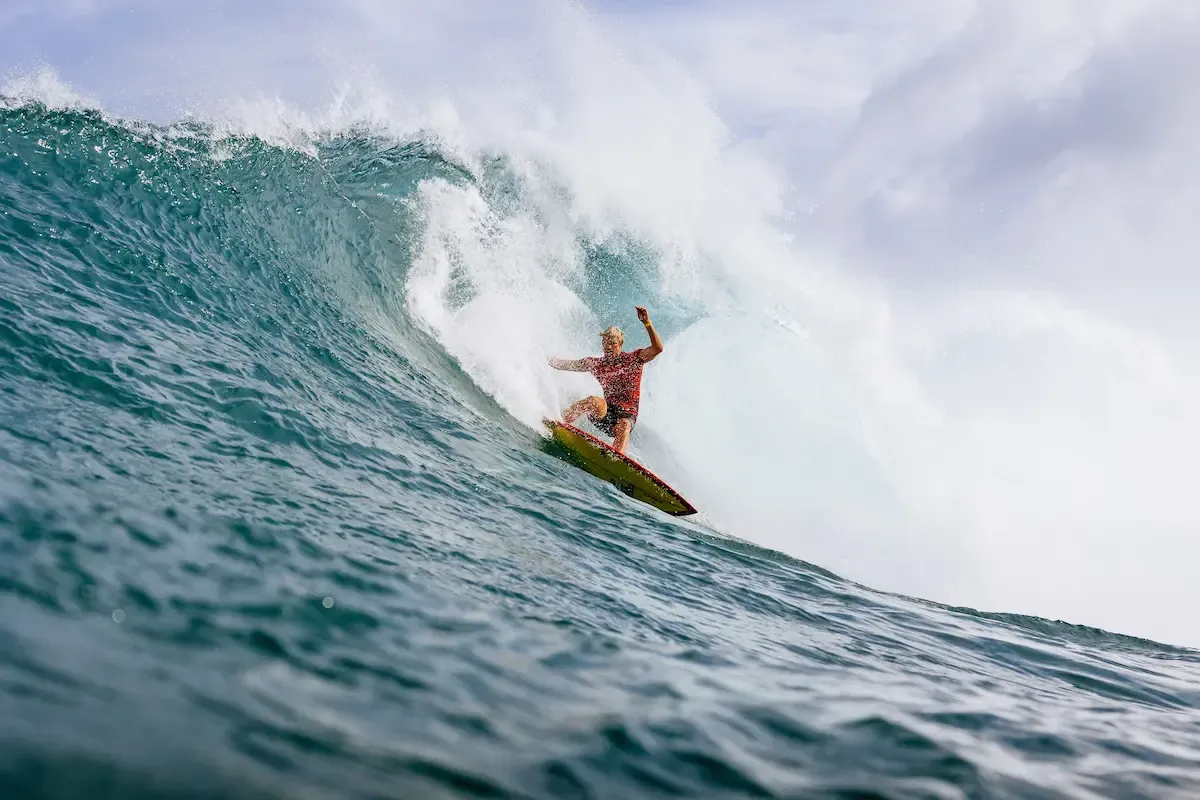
261,535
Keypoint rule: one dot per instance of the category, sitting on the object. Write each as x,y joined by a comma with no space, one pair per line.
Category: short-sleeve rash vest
621,379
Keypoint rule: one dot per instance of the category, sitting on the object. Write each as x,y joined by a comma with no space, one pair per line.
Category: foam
44,87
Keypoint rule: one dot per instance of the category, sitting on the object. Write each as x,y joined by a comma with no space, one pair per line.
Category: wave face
276,520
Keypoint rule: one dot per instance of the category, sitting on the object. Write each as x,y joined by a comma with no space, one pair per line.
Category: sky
987,206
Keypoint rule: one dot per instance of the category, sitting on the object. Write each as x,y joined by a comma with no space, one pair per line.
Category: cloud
946,157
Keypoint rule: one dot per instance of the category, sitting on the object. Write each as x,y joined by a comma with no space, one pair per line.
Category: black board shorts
608,423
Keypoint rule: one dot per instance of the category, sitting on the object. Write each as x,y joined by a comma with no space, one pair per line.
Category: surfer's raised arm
656,345
578,365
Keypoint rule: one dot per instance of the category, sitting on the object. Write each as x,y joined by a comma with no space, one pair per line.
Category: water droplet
118,616
327,602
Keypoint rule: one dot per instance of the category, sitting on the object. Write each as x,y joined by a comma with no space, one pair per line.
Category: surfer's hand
643,315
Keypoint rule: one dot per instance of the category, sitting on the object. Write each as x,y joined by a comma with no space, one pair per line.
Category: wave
806,409
272,482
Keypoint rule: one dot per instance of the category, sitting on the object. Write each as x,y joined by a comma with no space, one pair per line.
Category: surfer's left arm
656,345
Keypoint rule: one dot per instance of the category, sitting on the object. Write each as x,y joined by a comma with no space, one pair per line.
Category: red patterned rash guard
621,379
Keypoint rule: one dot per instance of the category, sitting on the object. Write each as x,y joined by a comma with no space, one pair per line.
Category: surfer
620,377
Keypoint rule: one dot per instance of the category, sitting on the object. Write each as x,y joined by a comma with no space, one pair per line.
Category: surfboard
602,461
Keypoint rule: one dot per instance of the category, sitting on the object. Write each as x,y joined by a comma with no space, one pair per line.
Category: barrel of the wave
601,460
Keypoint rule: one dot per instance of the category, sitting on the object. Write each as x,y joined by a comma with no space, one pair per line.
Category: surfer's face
611,340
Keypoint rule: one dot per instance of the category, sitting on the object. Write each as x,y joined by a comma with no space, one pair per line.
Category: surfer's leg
621,433
594,407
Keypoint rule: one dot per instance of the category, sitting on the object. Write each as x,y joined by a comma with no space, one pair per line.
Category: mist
925,270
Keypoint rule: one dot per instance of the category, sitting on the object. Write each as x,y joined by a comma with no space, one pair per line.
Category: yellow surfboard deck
601,460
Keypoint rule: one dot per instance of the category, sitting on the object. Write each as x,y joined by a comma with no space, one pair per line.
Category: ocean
277,519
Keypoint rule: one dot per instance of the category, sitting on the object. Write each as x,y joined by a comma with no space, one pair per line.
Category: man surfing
620,377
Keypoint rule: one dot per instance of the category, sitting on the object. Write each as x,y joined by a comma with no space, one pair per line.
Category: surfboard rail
601,460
